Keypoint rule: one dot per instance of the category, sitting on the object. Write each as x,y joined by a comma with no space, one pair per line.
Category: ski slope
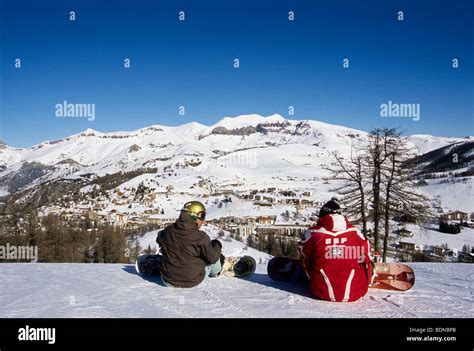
44,290
73,290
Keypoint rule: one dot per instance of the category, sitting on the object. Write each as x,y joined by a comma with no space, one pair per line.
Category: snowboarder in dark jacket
188,254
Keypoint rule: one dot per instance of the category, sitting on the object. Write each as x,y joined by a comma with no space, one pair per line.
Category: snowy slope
431,236
425,143
43,290
115,290
246,120
455,196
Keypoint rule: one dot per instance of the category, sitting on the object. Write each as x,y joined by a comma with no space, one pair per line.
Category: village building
294,230
454,216
408,246
405,233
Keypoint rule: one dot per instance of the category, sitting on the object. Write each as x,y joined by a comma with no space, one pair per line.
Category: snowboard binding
148,265
239,266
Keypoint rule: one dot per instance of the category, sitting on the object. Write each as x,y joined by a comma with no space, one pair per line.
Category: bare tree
380,176
353,185
377,156
397,189
401,198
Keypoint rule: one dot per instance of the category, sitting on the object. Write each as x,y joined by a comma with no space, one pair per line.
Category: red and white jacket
336,259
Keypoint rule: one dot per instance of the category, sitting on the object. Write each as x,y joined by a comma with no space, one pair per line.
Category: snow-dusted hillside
115,290
247,143
425,143
453,195
431,236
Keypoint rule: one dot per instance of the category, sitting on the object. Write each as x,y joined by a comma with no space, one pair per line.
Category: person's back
186,251
335,258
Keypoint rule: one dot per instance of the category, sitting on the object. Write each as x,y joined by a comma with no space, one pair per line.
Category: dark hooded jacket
186,251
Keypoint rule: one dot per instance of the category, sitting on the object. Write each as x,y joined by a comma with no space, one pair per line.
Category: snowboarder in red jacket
335,257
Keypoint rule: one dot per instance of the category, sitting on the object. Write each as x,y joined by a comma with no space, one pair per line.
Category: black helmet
330,207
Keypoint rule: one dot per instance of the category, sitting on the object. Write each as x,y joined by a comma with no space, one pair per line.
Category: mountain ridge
226,122
251,146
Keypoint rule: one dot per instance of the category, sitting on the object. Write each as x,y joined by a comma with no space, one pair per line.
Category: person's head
330,207
196,210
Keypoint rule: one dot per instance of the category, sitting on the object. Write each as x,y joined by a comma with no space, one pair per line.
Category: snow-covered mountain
425,143
241,154
92,148
266,139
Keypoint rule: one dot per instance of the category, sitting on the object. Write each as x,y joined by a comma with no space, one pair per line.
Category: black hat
329,208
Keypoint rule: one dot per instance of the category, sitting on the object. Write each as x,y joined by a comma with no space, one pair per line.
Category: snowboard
240,267
148,265
393,276
389,276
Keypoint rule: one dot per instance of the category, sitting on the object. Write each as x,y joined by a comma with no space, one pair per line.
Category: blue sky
190,63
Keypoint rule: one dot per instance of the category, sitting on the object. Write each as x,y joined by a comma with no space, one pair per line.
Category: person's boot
222,260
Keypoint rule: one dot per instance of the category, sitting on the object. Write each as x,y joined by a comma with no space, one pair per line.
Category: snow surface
3,191
247,120
431,236
426,143
48,290
452,195
77,290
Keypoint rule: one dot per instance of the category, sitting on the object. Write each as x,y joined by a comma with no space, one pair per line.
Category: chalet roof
407,242
404,230
454,212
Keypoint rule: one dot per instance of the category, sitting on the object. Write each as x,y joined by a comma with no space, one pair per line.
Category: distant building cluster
248,225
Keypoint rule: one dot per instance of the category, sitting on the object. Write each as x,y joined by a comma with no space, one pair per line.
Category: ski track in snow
44,290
